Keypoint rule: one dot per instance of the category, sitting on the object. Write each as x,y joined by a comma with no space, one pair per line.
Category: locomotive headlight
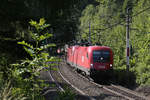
91,65
110,65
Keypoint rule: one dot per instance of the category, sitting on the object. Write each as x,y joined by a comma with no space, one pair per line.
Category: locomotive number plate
101,66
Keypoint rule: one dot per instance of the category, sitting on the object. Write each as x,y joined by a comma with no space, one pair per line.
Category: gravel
51,93
145,90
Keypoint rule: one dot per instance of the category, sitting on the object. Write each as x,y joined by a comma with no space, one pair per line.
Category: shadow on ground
119,77
124,78
51,92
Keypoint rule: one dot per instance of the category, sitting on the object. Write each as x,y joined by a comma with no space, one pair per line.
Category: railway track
53,80
121,91
89,89
129,94
62,82
86,87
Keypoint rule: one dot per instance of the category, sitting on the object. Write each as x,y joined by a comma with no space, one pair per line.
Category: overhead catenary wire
119,23
111,26
141,11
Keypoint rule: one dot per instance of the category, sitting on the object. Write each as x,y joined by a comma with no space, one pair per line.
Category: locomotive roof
92,46
100,46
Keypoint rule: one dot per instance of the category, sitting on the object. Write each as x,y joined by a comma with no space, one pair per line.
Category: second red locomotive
90,59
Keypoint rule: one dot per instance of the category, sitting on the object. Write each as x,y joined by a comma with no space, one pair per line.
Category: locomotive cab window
101,56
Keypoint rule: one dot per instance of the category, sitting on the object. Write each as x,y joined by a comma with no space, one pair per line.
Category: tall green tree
108,28
25,75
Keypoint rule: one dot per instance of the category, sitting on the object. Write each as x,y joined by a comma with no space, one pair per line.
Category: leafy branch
28,70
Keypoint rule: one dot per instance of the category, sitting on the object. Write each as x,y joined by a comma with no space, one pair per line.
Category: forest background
71,18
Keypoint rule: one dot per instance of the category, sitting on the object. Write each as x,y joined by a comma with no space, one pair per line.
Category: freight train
92,60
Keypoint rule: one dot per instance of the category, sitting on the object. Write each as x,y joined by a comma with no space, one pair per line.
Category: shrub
25,74
66,95
143,74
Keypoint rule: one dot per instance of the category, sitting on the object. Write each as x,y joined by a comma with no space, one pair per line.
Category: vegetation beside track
107,21
71,19
20,81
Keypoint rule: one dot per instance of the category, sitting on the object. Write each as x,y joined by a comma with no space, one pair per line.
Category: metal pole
90,32
127,40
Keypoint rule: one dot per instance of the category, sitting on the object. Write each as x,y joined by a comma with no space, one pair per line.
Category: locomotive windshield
101,56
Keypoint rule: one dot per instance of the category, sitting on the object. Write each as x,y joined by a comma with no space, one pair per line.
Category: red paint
82,56
128,51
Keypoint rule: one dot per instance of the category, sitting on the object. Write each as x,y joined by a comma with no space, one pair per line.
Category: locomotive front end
101,60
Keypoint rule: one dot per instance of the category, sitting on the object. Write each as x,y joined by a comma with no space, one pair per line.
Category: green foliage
25,74
66,95
143,74
140,39
7,93
105,31
62,12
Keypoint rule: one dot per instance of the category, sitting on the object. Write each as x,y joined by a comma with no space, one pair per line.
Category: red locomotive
90,59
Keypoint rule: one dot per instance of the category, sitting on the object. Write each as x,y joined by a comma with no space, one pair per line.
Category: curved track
129,94
83,86
53,80
87,87
59,78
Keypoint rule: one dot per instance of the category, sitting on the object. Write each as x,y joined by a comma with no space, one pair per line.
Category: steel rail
102,86
115,92
77,89
61,89
130,91
125,93
121,88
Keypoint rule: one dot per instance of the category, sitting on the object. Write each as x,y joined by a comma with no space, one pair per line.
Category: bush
66,95
25,74
6,93
143,75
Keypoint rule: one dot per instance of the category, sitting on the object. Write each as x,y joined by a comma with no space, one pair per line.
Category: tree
25,74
